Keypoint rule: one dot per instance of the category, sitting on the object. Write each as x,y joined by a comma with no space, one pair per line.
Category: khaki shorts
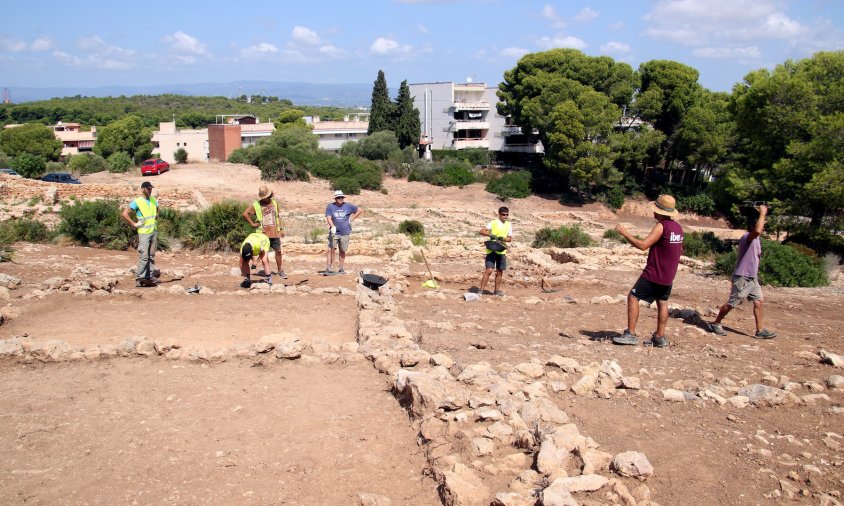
744,288
339,241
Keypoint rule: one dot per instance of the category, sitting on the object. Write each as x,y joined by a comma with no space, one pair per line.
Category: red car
154,166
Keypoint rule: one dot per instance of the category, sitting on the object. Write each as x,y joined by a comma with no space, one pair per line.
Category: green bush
562,237
454,173
96,222
512,185
24,229
780,265
367,174
221,227
821,240
281,169
55,167
475,156
411,227
87,163
31,166
612,198
181,155
613,235
174,223
702,204
378,146
239,155
5,161
119,162
349,185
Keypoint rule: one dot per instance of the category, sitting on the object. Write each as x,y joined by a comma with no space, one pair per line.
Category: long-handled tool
433,281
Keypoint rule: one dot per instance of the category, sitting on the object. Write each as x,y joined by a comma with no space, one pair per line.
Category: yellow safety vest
501,230
258,242
259,214
147,213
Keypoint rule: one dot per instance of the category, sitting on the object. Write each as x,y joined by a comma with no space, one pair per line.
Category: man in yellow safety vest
256,245
266,213
499,230
145,209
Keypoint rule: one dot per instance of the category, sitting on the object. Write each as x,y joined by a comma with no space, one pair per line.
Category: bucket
372,281
495,246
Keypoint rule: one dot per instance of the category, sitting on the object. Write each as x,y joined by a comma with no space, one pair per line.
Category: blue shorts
496,261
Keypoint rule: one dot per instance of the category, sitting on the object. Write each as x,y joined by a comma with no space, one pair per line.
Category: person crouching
256,245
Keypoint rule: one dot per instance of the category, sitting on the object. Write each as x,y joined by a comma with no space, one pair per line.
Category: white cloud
385,46
114,58
685,36
332,51
513,52
306,36
259,50
90,42
422,29
41,44
585,15
741,53
184,43
613,47
617,26
554,42
549,12
12,45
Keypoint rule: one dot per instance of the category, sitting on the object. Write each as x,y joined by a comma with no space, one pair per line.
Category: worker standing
266,213
145,208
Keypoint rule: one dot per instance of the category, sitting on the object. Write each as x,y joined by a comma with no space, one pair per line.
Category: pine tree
380,115
407,124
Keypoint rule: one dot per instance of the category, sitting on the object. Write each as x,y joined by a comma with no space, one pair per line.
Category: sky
47,43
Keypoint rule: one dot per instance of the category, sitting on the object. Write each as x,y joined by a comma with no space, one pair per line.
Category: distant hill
318,94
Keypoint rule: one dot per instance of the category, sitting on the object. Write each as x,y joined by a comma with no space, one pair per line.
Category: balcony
470,124
470,143
470,106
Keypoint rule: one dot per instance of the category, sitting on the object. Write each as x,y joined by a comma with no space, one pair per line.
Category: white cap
339,193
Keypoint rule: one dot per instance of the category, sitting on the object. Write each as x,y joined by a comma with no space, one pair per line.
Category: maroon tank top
664,256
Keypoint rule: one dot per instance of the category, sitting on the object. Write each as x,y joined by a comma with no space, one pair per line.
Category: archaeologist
665,245
745,281
266,213
339,216
145,210
256,245
499,230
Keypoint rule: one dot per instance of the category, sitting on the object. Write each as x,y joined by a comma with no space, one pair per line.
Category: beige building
332,134
74,140
169,139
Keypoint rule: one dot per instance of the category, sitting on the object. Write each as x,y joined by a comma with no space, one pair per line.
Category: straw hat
664,205
264,192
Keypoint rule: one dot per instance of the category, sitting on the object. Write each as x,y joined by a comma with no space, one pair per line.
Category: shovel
431,283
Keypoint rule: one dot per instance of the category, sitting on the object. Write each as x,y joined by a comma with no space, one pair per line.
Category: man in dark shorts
268,221
501,230
665,245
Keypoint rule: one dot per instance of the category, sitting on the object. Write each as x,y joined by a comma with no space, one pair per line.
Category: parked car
9,172
154,166
61,177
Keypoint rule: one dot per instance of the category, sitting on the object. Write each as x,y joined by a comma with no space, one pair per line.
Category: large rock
764,395
53,350
594,460
424,393
512,499
530,370
557,496
583,483
289,349
11,348
829,358
565,363
835,381
584,385
632,464
551,460
462,487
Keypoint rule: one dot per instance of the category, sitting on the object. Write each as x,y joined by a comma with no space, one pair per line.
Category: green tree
381,110
181,155
127,134
27,165
667,91
32,138
702,138
407,123
291,117
119,162
378,146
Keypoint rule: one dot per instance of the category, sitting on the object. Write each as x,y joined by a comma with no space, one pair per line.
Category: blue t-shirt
340,215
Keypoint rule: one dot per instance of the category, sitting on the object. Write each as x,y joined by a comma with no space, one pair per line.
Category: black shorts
495,261
275,243
649,292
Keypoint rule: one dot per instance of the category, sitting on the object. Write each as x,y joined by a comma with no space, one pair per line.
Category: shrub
281,169
474,156
31,166
780,265
562,237
378,146
367,175
702,204
410,227
612,198
180,155
221,227
454,173
96,222
174,223
349,185
239,156
613,235
4,159
512,185
54,167
821,240
702,245
87,163
119,162
23,229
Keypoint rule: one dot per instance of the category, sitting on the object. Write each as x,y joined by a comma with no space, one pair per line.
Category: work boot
282,275
656,341
245,283
627,338
765,334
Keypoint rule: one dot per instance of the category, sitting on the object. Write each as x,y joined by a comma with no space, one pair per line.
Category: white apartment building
169,139
332,134
464,115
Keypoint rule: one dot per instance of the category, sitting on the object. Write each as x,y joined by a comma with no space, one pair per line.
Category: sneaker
245,283
717,329
656,341
144,283
625,339
282,275
765,334
155,281
498,293
341,271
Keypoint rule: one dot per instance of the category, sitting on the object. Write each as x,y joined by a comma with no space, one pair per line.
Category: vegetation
511,185
613,235
129,135
406,121
562,237
119,162
221,227
27,165
87,163
411,227
23,229
33,139
96,223
181,155
381,110
475,156
781,265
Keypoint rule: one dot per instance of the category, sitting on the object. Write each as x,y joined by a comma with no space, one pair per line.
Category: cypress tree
407,122
380,114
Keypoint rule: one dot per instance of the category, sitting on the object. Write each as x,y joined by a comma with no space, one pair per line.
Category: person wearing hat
145,209
745,281
665,245
339,215
257,246
499,230
268,218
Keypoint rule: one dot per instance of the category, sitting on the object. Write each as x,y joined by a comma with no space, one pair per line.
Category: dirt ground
153,431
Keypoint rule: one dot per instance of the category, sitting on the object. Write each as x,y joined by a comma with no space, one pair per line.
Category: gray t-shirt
749,253
340,215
